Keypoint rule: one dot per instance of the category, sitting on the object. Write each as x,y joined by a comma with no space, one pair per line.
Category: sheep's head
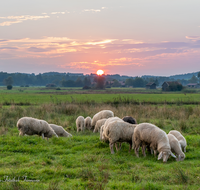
50,134
180,157
165,155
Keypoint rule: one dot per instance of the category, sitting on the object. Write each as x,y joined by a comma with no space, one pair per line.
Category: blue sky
146,37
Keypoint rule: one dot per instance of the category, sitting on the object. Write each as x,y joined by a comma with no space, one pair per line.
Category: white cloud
54,13
92,10
19,19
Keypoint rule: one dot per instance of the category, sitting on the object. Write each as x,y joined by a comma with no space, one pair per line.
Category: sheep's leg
111,148
143,150
21,134
151,150
137,151
185,149
43,135
116,146
155,153
130,146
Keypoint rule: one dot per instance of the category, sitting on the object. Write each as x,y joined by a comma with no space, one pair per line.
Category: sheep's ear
172,155
160,155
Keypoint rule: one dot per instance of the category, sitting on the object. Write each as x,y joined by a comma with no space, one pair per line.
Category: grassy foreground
83,162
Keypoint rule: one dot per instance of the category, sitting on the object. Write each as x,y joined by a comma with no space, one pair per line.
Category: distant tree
139,82
100,82
116,83
8,81
78,82
129,82
9,87
67,83
199,76
86,81
194,79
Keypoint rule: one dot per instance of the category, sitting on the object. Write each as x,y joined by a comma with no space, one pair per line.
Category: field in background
83,162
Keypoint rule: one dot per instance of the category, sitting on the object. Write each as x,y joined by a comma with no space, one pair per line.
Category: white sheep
104,114
119,131
176,147
98,125
102,129
180,137
32,126
88,122
80,123
149,134
60,131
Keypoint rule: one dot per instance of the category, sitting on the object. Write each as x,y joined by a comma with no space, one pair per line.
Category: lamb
32,126
98,125
104,114
149,134
119,131
176,147
129,119
88,122
60,131
80,123
180,137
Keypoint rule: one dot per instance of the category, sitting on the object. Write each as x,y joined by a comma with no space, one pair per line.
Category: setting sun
100,72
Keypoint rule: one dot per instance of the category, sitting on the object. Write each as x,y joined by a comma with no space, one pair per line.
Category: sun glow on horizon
100,72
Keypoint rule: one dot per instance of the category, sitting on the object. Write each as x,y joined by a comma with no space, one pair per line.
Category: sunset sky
126,37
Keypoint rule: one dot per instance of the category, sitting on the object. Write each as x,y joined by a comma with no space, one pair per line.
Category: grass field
83,162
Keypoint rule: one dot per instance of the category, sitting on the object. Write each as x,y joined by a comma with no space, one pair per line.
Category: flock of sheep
146,135
115,131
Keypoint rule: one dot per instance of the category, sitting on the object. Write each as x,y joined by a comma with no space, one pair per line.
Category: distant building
172,86
151,85
193,85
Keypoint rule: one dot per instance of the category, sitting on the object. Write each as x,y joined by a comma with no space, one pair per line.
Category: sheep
98,125
88,122
176,147
180,137
32,126
149,134
102,129
60,131
119,131
129,119
104,114
80,123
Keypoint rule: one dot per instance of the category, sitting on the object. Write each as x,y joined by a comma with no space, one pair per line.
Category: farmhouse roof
172,83
193,84
150,83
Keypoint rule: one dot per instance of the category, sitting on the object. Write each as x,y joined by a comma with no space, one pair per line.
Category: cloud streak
19,19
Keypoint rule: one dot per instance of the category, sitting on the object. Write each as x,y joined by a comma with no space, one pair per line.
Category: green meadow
83,161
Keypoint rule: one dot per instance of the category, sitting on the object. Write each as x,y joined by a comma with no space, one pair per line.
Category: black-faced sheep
129,119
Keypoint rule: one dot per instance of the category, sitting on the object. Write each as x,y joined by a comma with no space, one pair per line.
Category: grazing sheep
80,123
176,147
119,131
88,122
98,125
104,114
180,137
102,129
149,134
32,126
60,131
129,119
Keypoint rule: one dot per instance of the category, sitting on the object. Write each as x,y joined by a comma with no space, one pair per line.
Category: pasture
83,162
